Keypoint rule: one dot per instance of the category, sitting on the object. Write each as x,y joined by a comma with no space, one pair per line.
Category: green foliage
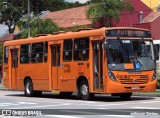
39,26
79,27
9,10
36,6
108,10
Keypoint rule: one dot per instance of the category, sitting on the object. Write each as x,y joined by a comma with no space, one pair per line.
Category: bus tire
29,92
125,95
84,91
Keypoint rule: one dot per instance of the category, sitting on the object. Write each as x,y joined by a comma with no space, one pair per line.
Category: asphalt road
102,106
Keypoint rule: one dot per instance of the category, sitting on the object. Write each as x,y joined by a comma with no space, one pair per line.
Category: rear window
5,55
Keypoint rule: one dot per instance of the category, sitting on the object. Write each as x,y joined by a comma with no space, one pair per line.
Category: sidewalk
1,87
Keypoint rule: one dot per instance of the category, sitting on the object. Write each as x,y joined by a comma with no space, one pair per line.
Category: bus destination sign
128,33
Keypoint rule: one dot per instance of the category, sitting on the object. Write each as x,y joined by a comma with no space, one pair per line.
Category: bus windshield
139,53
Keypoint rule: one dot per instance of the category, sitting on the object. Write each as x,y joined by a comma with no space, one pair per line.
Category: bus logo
123,76
134,80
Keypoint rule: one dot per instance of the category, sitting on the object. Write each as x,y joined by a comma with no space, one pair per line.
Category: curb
3,88
147,94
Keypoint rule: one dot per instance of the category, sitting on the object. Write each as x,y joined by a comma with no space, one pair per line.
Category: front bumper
116,87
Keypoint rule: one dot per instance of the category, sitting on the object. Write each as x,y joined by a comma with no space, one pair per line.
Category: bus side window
156,51
45,51
81,49
67,50
5,55
25,53
37,52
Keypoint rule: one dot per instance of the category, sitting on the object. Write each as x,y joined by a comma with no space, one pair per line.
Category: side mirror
157,57
105,45
156,51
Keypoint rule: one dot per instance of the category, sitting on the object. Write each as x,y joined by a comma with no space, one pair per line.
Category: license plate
135,88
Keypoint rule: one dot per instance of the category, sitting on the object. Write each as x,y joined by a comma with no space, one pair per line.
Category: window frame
5,57
81,49
37,53
29,54
70,50
45,51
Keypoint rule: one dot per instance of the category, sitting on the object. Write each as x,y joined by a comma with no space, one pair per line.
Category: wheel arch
80,79
26,78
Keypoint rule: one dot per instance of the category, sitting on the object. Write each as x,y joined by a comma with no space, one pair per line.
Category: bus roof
67,35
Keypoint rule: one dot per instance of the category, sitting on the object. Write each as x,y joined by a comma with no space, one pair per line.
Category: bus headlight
154,76
111,76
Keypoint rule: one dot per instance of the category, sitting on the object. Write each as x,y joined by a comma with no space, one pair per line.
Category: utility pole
28,18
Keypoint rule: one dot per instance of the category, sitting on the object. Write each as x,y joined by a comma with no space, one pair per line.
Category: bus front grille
142,79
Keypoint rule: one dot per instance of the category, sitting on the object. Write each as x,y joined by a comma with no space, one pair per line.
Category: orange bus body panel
63,76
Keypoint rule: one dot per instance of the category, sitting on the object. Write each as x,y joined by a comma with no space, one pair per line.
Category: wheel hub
28,88
84,90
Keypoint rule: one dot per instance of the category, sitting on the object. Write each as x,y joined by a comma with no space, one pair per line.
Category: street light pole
28,18
12,7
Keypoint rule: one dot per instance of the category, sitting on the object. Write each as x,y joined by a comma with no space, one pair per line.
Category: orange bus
116,61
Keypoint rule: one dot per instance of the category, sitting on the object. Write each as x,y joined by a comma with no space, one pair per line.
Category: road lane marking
148,102
121,116
143,108
89,103
8,104
65,104
15,104
63,116
1,116
103,108
103,105
71,116
26,103
39,101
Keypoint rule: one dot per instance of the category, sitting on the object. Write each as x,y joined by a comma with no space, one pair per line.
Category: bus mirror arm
156,51
157,57
105,46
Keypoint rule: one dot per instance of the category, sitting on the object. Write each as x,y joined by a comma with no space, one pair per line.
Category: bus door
14,67
97,66
55,58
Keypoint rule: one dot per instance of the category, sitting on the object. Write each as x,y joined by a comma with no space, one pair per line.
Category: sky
81,1
3,30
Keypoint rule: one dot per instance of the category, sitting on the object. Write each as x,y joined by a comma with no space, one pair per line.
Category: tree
11,12
11,16
107,11
39,26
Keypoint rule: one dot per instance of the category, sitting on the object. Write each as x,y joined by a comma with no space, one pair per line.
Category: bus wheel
84,91
29,88
125,95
